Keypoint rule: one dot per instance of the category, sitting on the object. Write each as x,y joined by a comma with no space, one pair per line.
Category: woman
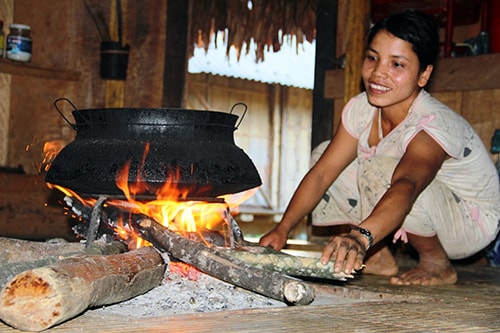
400,162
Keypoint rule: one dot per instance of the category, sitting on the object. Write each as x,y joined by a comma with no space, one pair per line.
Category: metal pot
194,150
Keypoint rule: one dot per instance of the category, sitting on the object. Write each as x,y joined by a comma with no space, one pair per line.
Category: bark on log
288,264
17,250
43,297
213,262
47,255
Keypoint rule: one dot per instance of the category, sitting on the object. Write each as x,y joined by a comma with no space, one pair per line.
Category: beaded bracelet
365,233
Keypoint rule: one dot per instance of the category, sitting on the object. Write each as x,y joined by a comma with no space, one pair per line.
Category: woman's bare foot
381,262
428,273
434,267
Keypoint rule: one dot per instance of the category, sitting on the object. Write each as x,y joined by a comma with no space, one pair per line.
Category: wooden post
326,27
115,89
176,46
358,22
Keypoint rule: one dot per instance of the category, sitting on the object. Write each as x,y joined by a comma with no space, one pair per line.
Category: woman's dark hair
416,28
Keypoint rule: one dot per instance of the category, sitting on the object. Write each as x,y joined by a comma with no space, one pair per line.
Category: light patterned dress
461,205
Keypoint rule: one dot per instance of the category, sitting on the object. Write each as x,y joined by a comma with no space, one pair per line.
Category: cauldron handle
62,114
243,115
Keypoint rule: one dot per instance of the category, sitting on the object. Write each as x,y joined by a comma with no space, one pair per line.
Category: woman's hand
274,239
346,252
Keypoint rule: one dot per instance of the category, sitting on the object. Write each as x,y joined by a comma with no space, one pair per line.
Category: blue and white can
19,43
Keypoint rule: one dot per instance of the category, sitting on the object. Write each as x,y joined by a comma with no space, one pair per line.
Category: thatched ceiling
263,22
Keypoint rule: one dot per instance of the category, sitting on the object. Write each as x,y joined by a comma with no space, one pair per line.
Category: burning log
24,255
43,297
216,263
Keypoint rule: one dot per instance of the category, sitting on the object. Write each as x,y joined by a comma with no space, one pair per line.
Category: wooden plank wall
65,38
7,12
275,132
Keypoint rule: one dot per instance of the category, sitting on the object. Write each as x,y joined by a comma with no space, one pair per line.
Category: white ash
180,295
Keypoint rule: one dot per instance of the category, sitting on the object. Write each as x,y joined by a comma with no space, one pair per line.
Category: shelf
26,69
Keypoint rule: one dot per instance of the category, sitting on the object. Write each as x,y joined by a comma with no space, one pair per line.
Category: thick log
213,262
288,264
42,254
43,297
18,250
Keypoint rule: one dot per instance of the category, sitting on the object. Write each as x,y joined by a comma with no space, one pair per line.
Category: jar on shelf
19,42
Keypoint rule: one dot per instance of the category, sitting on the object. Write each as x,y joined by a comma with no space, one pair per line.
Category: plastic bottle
19,43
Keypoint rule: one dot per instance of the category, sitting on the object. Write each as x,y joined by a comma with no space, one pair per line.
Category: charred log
43,297
213,262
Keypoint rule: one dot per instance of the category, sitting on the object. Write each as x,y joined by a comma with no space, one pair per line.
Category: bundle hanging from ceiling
265,23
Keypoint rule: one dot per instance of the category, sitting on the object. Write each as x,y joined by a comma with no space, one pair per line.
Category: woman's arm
339,154
416,169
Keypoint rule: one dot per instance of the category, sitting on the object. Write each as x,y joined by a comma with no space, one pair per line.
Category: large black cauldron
194,149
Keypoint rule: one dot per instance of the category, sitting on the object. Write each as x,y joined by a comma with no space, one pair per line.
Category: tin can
19,43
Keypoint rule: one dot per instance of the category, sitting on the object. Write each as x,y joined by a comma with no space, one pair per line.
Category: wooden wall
65,63
275,132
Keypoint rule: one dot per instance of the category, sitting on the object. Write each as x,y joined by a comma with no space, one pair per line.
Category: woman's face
391,73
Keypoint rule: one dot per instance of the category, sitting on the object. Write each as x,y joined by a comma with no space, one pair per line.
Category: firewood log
40,254
17,250
288,264
215,263
43,297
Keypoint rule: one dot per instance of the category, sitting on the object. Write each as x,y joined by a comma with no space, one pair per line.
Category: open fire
196,232
172,207
123,186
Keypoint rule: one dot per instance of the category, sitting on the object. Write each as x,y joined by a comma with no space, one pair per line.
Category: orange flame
171,207
50,151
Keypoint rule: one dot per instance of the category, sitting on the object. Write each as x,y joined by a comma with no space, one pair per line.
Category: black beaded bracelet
365,233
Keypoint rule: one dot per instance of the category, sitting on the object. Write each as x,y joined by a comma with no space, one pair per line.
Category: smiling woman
402,163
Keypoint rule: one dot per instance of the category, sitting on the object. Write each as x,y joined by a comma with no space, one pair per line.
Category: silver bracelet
365,233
